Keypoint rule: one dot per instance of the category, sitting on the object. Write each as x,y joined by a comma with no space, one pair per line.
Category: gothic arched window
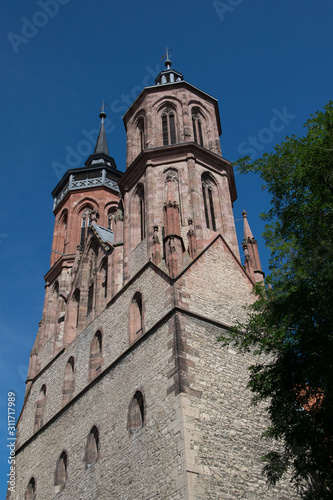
76,298
61,472
136,413
90,298
92,447
141,129
30,493
208,187
142,210
105,277
69,381
135,317
168,127
85,224
40,408
62,232
197,126
95,359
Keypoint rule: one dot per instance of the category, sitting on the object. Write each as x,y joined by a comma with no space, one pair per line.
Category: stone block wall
113,323
223,428
146,464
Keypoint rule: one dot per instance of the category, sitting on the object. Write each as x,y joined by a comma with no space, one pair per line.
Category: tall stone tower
129,396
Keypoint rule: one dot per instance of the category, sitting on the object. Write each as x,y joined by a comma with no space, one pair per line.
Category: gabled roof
104,235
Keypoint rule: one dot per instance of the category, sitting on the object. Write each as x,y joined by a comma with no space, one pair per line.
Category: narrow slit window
211,206
205,205
200,133
90,298
172,128
209,195
142,211
77,306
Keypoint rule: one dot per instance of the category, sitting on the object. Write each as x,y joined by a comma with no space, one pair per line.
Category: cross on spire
102,114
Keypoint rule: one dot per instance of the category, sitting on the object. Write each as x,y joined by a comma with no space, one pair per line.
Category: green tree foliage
291,321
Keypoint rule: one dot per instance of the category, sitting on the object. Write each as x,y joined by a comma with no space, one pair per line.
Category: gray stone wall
224,429
146,464
113,323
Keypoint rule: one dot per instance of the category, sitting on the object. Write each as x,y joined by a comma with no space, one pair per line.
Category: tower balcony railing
85,181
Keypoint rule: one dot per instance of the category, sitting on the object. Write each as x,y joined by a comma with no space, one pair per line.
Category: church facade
129,395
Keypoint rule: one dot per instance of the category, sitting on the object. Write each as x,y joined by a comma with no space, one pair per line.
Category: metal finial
167,56
102,114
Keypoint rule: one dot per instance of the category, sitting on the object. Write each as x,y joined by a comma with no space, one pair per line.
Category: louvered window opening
197,130
168,129
207,193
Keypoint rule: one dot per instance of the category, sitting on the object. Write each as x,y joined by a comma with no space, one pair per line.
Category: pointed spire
250,247
101,144
247,231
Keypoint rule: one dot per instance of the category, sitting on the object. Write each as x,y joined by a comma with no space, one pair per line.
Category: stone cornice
175,153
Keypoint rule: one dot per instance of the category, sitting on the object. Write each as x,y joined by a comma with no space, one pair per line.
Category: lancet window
95,360
85,225
69,381
76,297
40,409
61,472
136,317
197,126
30,493
142,210
141,130
169,127
136,413
208,187
92,447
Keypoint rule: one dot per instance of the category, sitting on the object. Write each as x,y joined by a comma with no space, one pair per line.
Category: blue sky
61,58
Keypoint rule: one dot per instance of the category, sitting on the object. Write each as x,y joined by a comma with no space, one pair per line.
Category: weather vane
167,54
103,107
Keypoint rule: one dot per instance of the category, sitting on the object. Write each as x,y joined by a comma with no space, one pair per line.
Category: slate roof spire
101,153
101,144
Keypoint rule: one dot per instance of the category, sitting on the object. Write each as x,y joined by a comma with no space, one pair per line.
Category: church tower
129,395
